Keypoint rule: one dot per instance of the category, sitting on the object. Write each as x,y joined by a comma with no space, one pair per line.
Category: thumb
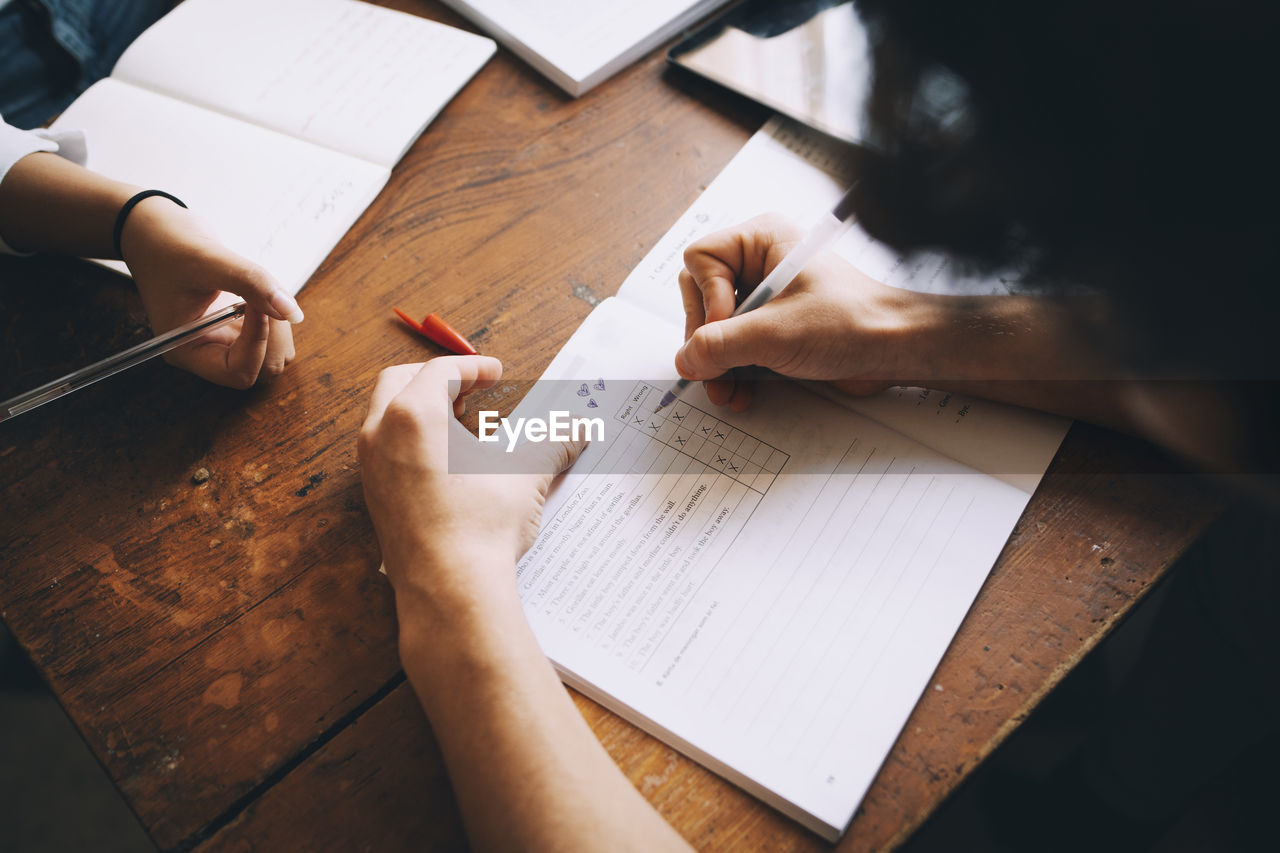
715,348
259,289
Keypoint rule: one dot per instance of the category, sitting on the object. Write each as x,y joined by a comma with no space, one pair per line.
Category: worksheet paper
768,592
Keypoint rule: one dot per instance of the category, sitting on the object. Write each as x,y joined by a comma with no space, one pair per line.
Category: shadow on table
53,794
1166,738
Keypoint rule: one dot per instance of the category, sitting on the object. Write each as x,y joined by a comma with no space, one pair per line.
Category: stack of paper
579,43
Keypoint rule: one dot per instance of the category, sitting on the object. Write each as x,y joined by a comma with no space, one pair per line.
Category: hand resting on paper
834,323
49,204
1043,352
527,771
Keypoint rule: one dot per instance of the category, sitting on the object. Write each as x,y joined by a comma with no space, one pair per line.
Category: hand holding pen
182,273
50,204
831,322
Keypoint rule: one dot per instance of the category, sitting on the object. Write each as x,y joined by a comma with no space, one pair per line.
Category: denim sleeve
52,50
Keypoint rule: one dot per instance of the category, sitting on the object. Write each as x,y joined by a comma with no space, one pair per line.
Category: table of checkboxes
704,437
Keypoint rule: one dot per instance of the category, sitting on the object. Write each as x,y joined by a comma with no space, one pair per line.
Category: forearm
527,771
48,204
1059,358
1023,350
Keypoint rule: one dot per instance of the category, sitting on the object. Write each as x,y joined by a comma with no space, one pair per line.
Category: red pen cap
440,332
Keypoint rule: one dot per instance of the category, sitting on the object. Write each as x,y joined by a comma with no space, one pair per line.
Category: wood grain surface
226,647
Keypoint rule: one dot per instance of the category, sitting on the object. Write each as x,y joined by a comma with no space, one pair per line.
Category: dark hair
1122,146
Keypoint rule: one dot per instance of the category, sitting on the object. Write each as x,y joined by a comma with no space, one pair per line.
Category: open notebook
276,121
769,592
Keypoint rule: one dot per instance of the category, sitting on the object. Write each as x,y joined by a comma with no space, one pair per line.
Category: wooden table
227,647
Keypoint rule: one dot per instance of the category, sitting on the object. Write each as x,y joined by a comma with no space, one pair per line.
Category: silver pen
159,345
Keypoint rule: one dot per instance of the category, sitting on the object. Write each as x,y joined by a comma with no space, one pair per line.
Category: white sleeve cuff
16,144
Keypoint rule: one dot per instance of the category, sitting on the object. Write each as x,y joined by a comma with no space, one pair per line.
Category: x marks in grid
704,437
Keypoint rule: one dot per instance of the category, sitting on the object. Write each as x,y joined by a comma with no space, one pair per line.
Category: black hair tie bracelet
128,208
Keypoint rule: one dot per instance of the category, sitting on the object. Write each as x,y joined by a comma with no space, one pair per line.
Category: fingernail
286,306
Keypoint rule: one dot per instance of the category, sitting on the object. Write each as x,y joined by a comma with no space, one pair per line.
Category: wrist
449,632
138,223
952,341
453,591
917,335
